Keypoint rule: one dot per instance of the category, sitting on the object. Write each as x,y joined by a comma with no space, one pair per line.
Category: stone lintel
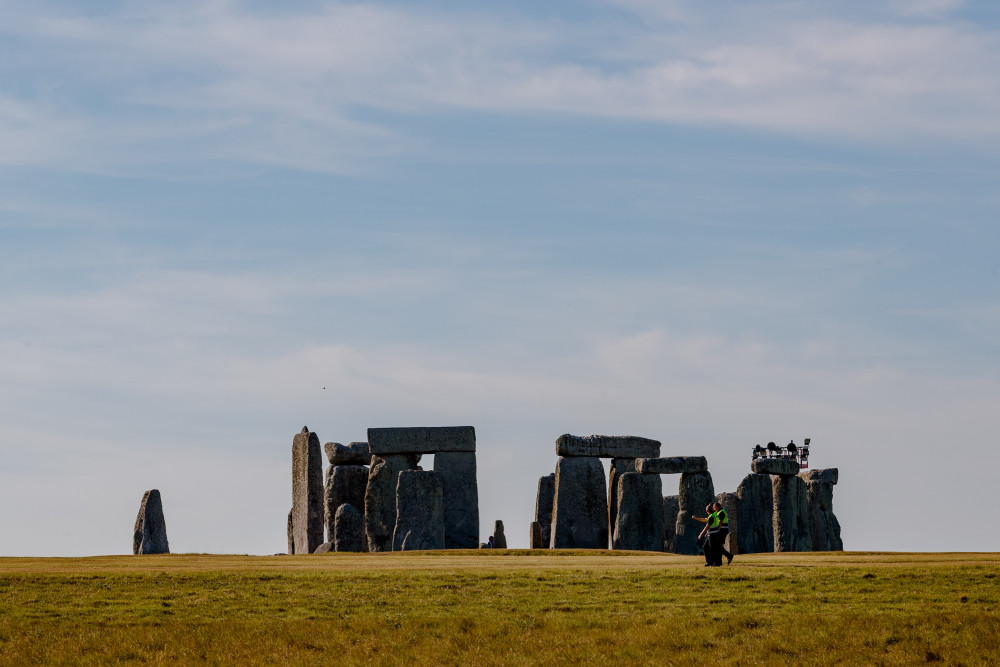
607,446
828,475
674,465
356,453
421,440
775,466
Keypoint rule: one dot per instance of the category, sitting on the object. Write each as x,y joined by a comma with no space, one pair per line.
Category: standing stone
150,533
754,514
324,548
619,467
639,525
344,484
824,528
307,492
380,498
348,529
291,537
461,498
671,507
791,514
499,539
543,507
580,505
419,511
696,491
536,536
730,503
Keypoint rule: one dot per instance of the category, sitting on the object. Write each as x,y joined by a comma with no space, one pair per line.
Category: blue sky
711,223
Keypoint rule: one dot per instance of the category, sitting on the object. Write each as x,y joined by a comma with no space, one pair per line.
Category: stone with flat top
421,440
675,465
783,467
607,446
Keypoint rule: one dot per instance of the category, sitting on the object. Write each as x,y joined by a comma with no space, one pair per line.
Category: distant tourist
489,544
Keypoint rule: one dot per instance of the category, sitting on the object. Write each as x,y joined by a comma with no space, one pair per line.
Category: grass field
502,607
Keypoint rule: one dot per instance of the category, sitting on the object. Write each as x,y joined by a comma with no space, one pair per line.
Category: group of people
714,534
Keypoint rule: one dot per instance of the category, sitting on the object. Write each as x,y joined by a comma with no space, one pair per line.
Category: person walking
711,528
723,532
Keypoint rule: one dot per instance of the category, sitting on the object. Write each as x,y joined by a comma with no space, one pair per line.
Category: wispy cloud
221,81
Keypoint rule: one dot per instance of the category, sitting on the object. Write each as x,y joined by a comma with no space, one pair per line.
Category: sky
715,224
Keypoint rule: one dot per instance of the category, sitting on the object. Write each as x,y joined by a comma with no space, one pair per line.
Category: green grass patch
502,607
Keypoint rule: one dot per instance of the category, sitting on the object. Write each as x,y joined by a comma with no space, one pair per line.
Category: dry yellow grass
502,607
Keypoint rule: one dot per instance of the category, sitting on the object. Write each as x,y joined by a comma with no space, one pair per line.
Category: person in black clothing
705,535
723,533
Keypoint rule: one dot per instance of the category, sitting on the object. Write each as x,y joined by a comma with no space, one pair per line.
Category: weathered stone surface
775,466
421,440
355,453
696,491
535,540
543,507
618,468
825,475
580,505
824,528
150,533
754,514
291,538
791,514
607,446
639,526
671,507
348,529
419,511
461,498
674,465
499,539
344,484
324,548
380,499
730,503
307,492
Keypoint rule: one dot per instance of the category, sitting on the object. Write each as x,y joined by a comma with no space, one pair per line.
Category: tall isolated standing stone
307,492
461,498
823,524
639,521
580,508
535,538
543,508
695,493
380,498
499,539
150,533
419,511
791,514
754,514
